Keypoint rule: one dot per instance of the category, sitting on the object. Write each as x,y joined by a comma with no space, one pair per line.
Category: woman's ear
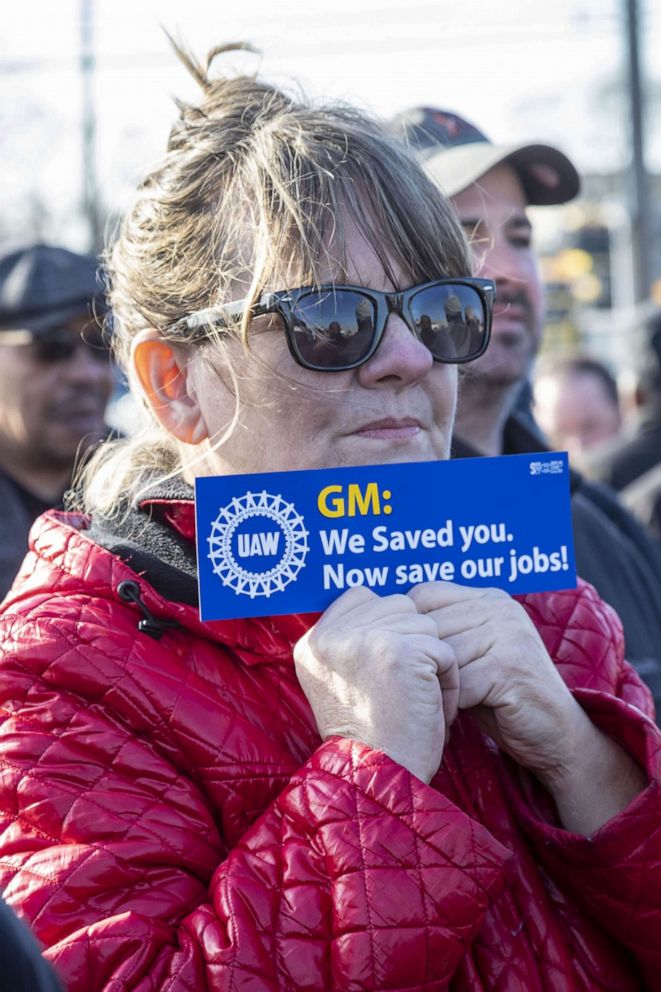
164,373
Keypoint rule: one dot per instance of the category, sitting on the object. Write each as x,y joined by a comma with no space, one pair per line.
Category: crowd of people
445,789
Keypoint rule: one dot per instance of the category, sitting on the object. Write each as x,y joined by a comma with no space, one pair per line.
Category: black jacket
16,518
22,968
613,553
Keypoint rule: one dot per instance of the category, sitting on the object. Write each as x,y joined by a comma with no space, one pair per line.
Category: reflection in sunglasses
441,313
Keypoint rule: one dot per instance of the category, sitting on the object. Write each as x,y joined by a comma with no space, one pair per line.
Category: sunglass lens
333,329
60,345
55,346
450,320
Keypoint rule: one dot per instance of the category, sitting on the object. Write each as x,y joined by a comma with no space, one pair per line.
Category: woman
262,804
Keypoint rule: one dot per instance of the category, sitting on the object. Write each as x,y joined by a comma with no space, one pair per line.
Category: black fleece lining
151,547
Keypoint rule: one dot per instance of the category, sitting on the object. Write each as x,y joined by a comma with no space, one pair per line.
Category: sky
521,71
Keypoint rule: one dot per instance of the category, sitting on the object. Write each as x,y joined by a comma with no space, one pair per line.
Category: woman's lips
390,429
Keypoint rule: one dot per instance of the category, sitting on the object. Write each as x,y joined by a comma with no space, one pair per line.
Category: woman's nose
400,357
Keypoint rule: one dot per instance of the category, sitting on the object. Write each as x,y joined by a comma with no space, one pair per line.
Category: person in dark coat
490,187
55,383
632,464
638,450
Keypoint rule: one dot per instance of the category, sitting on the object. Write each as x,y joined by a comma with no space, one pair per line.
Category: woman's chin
368,449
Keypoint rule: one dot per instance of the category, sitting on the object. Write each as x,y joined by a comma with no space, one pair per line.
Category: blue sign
292,542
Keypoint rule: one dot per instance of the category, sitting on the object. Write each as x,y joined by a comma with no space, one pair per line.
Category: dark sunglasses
59,344
336,328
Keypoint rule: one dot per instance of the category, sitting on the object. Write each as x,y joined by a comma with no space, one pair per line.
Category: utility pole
639,201
87,69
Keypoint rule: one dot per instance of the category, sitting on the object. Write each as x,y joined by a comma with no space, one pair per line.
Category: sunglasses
59,344
337,328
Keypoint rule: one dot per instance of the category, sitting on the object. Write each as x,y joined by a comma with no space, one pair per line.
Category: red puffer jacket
171,820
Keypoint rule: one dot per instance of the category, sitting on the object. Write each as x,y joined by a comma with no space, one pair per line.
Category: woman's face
397,407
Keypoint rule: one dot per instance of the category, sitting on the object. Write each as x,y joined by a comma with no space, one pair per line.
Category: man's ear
164,373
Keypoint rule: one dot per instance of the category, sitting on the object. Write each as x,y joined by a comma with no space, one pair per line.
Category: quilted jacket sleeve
355,876
613,876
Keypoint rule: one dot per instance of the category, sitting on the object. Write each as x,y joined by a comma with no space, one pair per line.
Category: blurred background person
576,404
55,382
491,187
632,464
639,449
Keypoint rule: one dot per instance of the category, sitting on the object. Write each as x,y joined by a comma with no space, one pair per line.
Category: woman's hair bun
200,71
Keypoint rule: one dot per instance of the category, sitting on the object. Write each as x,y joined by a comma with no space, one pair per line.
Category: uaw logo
258,544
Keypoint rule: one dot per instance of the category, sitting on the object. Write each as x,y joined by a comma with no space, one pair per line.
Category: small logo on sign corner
554,467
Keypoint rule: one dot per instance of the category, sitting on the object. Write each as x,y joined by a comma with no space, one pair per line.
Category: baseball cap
456,154
43,286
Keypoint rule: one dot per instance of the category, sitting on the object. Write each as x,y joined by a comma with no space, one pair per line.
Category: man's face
493,214
47,407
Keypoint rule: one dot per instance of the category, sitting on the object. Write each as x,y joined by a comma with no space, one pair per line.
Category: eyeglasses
336,328
59,344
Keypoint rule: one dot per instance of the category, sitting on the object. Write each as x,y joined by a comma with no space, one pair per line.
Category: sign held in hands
292,542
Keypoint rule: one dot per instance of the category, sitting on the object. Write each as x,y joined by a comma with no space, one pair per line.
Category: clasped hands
394,671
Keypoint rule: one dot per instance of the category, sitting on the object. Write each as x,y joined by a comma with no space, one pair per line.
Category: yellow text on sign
353,500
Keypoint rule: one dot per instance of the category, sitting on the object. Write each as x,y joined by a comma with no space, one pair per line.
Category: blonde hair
252,190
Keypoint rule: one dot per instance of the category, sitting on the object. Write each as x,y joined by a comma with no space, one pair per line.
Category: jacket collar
153,546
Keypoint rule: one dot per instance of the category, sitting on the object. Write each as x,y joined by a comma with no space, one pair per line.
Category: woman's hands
374,669
393,672
507,679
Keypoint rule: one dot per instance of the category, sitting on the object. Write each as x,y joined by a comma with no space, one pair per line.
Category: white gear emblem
275,510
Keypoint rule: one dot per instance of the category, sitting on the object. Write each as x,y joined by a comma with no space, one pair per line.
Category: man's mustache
508,300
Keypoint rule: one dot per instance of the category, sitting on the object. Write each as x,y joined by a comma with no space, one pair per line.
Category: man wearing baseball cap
55,382
491,186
